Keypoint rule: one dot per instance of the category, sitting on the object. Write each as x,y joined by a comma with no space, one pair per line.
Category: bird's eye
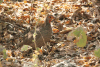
50,17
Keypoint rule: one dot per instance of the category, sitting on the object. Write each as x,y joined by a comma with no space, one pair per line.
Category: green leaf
97,53
37,48
4,54
80,35
1,1
70,36
25,48
78,31
82,39
3,50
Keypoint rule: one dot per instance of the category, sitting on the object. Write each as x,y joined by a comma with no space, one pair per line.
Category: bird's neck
47,23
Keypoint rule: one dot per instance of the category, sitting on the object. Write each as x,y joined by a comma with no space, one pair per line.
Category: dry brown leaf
26,9
80,23
89,38
65,31
25,1
55,30
68,22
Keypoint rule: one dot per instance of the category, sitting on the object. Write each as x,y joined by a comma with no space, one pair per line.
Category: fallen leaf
55,30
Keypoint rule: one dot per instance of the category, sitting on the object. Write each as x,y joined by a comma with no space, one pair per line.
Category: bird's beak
53,18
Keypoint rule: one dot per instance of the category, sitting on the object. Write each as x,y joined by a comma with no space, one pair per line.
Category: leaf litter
18,18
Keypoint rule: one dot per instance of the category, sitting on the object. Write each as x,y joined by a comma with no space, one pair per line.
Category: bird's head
50,18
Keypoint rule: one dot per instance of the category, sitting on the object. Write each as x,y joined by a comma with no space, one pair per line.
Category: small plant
80,35
35,33
4,54
97,53
25,47
3,50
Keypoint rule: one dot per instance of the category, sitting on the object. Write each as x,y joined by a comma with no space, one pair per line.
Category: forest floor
17,17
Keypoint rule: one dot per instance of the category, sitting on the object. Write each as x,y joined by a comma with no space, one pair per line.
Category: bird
43,34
